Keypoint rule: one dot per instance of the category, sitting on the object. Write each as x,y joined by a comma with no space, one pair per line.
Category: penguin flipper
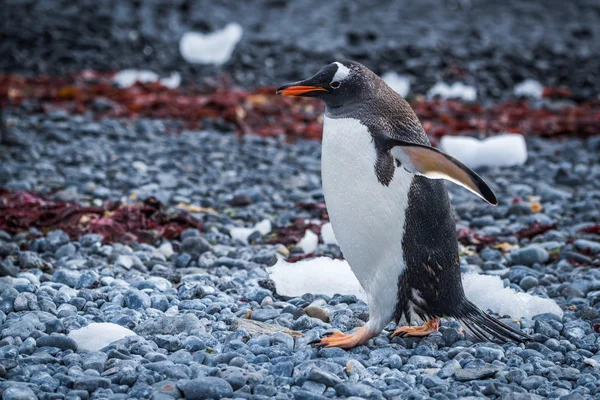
435,164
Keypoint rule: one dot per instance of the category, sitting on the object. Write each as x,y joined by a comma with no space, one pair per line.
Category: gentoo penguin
389,209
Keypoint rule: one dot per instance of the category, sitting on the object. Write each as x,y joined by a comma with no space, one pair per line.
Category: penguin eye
335,84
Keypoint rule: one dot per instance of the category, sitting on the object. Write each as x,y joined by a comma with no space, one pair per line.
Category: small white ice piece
327,234
128,77
321,275
96,336
400,83
210,48
503,150
488,293
242,234
173,81
263,226
457,90
166,249
529,88
309,242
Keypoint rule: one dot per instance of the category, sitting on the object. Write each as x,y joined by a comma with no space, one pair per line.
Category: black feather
484,326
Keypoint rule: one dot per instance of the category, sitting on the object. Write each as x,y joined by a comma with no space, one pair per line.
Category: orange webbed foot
344,340
430,326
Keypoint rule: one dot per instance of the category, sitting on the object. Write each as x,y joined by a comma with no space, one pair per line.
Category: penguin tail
485,327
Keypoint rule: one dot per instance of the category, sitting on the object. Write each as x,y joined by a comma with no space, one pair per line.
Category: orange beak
297,90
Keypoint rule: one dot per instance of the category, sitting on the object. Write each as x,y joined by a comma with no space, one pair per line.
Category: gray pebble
206,387
529,255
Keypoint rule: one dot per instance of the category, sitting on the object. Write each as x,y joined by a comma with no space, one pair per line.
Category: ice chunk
242,234
210,48
263,226
166,249
172,82
457,90
96,336
128,77
327,234
321,275
400,83
502,150
529,88
309,242
489,293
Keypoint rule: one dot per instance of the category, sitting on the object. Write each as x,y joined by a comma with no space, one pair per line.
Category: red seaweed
262,112
144,222
291,234
534,230
591,229
468,236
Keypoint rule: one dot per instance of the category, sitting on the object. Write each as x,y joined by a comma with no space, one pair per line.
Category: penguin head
337,84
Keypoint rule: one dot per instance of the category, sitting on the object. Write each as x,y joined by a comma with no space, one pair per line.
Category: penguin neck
393,118
347,110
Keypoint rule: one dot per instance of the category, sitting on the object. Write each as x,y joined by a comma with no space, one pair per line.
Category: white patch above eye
341,73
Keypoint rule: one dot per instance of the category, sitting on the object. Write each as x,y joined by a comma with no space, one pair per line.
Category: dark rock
206,388
464,375
356,389
326,378
264,314
194,246
240,200
137,300
61,342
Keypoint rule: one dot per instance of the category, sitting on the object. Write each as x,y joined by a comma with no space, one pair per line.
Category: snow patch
210,48
327,234
309,242
128,77
489,293
321,275
400,83
503,150
242,234
96,336
324,275
529,88
457,90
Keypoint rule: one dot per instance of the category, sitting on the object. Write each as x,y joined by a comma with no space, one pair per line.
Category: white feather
368,217
341,73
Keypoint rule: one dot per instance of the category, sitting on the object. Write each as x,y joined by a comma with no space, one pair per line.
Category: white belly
367,217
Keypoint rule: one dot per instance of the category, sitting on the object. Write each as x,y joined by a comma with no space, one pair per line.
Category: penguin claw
342,340
396,334
317,344
428,327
